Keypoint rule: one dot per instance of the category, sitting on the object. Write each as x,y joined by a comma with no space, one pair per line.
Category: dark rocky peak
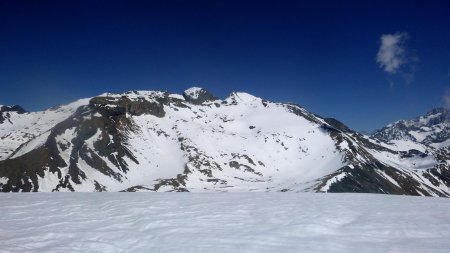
198,96
5,112
433,127
12,108
438,110
436,116
134,103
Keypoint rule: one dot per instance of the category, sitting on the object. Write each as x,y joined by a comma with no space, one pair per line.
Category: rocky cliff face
156,141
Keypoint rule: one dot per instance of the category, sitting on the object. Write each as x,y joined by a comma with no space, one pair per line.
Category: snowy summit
198,95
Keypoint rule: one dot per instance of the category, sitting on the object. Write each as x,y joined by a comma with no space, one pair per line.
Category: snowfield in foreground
222,222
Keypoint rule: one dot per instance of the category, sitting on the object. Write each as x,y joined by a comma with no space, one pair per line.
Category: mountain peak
198,95
431,129
12,108
438,110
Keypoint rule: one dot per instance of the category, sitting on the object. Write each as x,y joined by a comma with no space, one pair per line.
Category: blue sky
323,55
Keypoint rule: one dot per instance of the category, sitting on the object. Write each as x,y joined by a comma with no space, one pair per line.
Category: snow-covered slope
18,127
238,222
156,141
423,143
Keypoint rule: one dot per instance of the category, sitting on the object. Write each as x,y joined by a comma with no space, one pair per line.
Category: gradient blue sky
319,54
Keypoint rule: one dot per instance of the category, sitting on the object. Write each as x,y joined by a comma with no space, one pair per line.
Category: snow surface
232,222
443,144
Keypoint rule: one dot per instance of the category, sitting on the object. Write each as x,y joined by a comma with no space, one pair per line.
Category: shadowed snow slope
233,222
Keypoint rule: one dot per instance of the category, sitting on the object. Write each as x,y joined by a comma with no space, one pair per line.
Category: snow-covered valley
222,222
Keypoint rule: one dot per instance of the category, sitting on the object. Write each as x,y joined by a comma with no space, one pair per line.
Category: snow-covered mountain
156,141
432,129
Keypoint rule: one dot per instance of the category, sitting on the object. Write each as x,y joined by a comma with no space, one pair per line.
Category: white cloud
446,99
395,58
392,53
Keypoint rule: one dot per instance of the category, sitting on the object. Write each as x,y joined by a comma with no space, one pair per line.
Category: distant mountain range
156,141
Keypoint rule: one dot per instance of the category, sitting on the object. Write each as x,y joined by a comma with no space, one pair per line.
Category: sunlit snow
222,222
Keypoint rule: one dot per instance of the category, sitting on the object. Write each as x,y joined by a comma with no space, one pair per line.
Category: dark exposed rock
12,108
412,153
337,124
112,106
137,188
24,170
6,110
177,183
